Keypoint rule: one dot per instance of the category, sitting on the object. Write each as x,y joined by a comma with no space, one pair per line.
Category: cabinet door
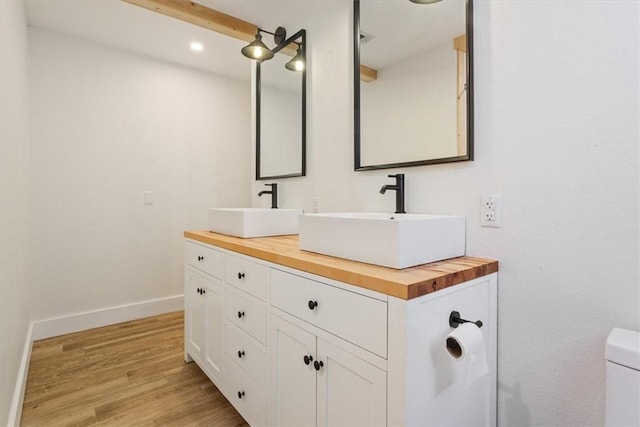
214,315
292,394
194,313
351,391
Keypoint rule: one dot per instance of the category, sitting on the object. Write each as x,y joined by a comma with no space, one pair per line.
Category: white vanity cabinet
292,391
357,318
351,391
315,358
204,304
246,291
194,313
292,348
315,381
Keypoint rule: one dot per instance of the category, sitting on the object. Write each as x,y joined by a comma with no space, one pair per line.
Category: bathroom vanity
296,338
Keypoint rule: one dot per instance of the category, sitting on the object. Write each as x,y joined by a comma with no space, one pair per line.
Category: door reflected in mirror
281,111
413,91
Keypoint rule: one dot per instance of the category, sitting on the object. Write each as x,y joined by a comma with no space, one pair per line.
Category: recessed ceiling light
196,46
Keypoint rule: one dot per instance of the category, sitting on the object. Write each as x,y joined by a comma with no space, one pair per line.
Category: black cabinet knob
240,276
240,314
204,291
240,394
240,354
200,258
308,359
312,304
318,364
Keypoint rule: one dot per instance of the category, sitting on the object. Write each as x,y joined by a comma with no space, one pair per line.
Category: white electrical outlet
315,204
490,212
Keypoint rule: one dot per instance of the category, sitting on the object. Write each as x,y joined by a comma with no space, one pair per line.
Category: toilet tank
623,378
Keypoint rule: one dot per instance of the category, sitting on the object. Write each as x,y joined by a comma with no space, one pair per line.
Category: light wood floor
131,373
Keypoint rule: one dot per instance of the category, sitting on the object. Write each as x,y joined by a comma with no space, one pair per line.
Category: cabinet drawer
357,318
246,395
204,258
251,277
246,313
249,355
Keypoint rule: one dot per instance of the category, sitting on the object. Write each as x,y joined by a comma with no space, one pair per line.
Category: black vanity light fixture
258,50
297,62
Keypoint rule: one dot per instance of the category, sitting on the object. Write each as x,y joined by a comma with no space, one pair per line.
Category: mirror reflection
414,96
281,111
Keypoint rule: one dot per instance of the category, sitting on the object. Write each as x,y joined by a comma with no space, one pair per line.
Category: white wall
108,125
557,136
14,197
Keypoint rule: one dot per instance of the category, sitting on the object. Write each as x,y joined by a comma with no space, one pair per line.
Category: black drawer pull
240,354
318,364
240,276
312,304
200,258
240,314
308,359
240,394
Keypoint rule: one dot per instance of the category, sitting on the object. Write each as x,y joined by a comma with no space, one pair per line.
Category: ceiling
126,26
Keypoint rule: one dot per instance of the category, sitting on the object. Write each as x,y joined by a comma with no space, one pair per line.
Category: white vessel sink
254,222
390,240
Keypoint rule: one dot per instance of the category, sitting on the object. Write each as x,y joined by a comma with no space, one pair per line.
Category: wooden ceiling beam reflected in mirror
211,19
368,74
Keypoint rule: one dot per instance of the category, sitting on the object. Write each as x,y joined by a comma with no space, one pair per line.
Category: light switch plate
315,204
148,197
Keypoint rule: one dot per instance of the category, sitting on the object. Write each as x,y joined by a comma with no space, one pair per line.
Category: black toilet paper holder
455,320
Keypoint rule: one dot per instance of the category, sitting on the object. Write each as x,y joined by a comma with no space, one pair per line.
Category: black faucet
399,189
274,195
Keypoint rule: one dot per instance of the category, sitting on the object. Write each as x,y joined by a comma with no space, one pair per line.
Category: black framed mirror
281,99
413,83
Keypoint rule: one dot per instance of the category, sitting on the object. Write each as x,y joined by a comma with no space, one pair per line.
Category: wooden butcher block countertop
407,283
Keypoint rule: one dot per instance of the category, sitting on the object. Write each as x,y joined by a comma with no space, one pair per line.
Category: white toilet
623,378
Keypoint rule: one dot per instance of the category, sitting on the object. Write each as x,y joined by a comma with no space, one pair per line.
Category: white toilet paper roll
466,345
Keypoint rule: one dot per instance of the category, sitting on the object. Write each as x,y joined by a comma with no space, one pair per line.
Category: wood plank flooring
132,373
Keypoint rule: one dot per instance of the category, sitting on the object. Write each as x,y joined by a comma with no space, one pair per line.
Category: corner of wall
15,411
15,151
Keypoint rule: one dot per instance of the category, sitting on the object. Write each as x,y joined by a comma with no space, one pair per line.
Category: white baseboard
15,411
107,316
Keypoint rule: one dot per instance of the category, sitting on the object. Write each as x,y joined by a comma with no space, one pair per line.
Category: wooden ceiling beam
368,74
202,16
460,43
